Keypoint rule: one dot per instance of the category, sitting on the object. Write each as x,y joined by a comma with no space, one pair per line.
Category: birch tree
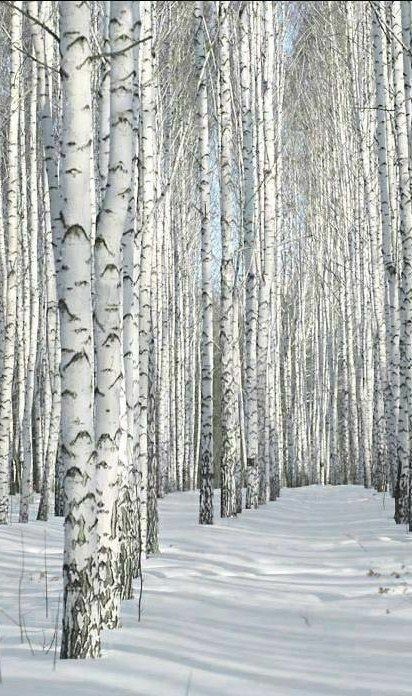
206,442
12,231
81,620
228,385
112,480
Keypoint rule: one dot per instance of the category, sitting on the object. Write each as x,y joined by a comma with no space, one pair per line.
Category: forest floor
311,595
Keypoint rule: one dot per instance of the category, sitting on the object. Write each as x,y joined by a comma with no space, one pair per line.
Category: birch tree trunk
131,337
12,236
81,620
250,241
112,480
206,437
405,219
268,266
148,183
230,431
49,491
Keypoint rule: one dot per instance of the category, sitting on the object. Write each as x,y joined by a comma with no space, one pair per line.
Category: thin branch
112,54
387,30
29,55
33,19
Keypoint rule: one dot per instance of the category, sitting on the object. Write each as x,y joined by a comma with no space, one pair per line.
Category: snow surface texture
308,595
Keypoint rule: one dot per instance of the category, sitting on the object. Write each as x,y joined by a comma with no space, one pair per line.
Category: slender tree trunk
148,226
230,431
405,215
250,241
206,437
112,482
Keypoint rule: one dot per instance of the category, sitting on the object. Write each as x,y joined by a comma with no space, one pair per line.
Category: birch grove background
205,268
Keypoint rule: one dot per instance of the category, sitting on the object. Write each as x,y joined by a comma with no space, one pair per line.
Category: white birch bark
268,251
112,482
23,475
147,174
47,505
250,241
230,431
405,218
131,334
12,262
81,621
44,49
389,259
33,302
206,437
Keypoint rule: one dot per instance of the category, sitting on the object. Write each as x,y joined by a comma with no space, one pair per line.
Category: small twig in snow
19,590
56,633
45,574
189,683
306,620
9,617
27,636
359,543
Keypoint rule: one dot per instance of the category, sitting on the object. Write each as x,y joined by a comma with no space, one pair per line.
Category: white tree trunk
81,620
405,215
230,431
13,186
112,481
206,437
148,189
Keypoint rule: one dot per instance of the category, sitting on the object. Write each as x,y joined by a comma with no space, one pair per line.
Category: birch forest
205,320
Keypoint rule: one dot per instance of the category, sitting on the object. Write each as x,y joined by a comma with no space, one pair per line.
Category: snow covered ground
309,595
